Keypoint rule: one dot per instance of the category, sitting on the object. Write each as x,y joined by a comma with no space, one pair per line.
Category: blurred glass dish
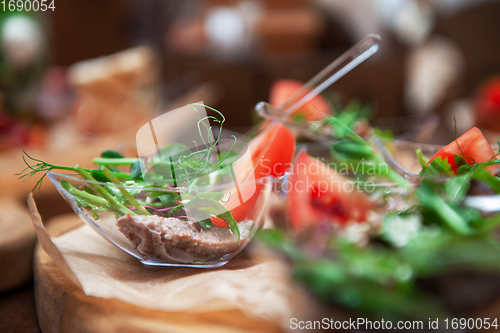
178,240
388,253
401,156
325,194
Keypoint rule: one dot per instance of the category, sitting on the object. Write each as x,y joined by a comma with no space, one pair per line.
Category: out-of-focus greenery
438,234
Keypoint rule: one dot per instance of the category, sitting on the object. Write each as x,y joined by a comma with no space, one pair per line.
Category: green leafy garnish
437,167
111,154
134,193
206,204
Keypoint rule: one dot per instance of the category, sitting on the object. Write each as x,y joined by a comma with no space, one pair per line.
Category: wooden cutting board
17,240
63,307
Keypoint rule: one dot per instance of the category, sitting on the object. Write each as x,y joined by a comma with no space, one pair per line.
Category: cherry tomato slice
319,193
272,153
473,147
312,110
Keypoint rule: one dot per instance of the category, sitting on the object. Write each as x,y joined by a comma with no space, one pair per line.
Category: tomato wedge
312,110
487,105
473,147
319,193
272,153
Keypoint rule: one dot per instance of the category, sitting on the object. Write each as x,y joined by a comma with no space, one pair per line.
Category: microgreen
134,193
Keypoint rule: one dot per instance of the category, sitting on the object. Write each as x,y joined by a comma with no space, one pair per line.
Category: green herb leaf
437,167
421,158
351,150
135,170
433,201
460,160
456,187
111,154
200,207
89,190
99,176
206,224
484,175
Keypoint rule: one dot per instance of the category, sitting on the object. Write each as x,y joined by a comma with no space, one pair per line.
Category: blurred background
94,63
84,76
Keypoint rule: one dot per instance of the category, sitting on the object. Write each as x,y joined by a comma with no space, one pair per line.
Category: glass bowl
173,234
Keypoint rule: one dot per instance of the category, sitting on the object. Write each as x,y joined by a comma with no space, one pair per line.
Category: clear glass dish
178,241
401,156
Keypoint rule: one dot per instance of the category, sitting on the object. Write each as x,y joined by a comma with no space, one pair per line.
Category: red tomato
487,103
272,153
312,110
473,145
319,193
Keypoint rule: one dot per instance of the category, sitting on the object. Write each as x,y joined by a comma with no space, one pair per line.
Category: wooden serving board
63,307
17,240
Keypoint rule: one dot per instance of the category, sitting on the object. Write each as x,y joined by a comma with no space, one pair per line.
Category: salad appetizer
413,249
181,206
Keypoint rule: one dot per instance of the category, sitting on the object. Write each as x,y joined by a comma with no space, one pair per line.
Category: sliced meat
158,237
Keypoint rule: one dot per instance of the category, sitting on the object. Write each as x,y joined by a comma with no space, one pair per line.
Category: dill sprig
40,167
